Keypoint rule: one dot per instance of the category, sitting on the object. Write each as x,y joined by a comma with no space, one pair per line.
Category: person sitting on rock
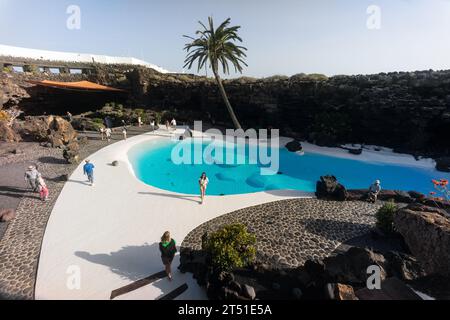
374,190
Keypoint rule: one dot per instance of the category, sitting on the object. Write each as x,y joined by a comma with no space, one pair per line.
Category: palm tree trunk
236,123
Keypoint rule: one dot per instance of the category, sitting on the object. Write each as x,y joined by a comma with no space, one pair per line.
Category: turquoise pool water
152,164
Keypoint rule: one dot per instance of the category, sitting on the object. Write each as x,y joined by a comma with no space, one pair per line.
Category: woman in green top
168,248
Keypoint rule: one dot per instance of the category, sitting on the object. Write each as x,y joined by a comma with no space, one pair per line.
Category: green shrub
276,78
232,246
7,69
97,120
317,77
31,68
158,118
97,126
309,77
385,217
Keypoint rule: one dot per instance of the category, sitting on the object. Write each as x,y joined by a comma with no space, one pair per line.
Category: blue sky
282,37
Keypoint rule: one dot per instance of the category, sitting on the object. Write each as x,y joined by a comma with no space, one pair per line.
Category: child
43,189
88,169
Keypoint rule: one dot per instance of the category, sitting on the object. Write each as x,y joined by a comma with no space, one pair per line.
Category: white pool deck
109,234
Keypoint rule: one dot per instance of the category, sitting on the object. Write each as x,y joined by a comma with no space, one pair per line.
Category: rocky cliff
407,111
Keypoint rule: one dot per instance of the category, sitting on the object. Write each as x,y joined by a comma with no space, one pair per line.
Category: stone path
21,242
289,232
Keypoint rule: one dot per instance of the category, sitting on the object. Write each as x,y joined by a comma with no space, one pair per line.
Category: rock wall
409,111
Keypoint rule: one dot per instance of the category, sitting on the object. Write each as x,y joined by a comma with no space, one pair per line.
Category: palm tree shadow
183,197
130,262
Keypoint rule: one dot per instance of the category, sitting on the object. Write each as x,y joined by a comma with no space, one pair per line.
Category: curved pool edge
122,212
87,223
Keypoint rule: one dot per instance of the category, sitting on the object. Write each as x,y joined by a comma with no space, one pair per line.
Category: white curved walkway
109,234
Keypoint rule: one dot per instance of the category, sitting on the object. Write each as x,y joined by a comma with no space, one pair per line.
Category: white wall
72,57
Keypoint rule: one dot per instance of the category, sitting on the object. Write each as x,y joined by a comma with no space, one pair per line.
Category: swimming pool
152,163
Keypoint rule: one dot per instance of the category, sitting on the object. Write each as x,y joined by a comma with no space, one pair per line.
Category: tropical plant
385,217
232,246
158,118
217,47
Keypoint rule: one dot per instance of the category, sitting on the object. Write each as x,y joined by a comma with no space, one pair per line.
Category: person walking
167,125
102,132
31,177
88,169
152,125
139,122
124,132
173,123
168,248
43,189
203,182
108,133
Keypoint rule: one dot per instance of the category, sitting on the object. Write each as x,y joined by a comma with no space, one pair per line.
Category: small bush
385,217
232,246
7,69
158,118
97,120
31,68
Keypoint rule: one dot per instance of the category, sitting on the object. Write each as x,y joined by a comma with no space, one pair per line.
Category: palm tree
216,46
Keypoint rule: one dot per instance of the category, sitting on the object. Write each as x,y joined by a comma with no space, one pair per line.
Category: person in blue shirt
88,170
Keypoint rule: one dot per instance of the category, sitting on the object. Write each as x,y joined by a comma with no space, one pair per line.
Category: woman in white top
108,134
203,182
102,132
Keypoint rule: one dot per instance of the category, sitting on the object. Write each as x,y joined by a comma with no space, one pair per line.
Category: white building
19,52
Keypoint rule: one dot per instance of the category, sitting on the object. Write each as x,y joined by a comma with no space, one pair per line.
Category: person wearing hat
31,177
374,190
88,169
